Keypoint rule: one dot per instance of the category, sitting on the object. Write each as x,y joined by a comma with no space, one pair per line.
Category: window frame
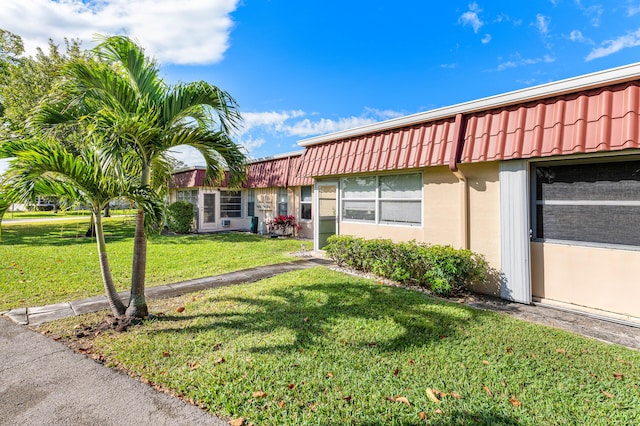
251,202
534,202
205,208
377,200
282,192
224,212
308,202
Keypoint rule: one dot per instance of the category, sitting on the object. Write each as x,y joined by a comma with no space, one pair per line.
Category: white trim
588,81
514,231
624,203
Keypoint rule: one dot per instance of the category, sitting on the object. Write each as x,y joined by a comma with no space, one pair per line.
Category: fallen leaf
372,344
412,362
396,371
194,366
455,395
259,394
166,354
561,351
432,396
504,384
462,365
607,394
514,401
402,400
485,362
423,415
438,411
509,350
329,375
439,393
218,361
488,391
180,309
348,398
618,376
291,385
442,337
281,404
306,319
237,422
59,260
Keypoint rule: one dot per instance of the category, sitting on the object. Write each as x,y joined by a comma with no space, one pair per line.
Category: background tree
119,95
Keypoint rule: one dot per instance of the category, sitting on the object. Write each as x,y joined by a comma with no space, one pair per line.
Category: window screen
598,203
230,204
209,208
306,195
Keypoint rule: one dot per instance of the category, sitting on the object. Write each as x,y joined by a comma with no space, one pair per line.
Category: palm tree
120,96
47,168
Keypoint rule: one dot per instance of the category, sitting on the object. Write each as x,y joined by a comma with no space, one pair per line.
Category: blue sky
304,68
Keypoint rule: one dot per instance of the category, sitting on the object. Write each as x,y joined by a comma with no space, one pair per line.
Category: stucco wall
600,278
484,218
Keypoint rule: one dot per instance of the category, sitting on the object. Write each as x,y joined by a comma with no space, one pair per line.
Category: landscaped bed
321,347
43,263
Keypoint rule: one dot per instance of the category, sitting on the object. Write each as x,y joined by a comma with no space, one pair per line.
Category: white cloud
609,47
471,17
185,32
594,12
449,66
295,123
576,36
251,144
542,23
518,61
307,127
486,39
633,10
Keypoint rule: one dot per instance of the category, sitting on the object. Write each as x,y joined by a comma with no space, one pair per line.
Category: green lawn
319,347
43,263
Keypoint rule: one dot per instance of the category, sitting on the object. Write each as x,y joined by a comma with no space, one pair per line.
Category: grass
17,215
317,347
43,263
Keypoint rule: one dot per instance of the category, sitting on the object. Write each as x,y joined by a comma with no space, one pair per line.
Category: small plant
442,269
283,225
180,217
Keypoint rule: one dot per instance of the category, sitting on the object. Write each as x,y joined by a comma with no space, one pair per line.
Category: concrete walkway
41,314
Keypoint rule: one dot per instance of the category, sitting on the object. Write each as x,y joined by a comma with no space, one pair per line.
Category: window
251,202
401,198
209,208
191,196
282,201
230,204
306,195
586,202
391,199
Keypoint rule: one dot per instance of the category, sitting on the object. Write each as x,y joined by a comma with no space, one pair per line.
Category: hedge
442,269
180,217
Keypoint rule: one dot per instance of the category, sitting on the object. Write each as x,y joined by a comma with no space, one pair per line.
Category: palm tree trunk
116,305
137,303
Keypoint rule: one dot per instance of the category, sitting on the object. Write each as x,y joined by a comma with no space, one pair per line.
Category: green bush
180,217
442,269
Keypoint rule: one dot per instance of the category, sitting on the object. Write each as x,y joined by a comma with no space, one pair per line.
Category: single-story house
544,182
272,189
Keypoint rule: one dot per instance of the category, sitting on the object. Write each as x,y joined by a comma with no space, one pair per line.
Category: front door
327,212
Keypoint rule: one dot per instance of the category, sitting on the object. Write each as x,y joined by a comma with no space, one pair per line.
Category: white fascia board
574,84
277,156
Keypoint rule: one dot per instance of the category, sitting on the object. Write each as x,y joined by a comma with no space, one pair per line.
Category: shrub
285,225
442,269
180,217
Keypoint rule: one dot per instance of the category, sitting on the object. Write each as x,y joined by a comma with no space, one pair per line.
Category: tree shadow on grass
461,417
61,233
356,314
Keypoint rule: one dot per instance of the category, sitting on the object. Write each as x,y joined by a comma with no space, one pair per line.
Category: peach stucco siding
593,277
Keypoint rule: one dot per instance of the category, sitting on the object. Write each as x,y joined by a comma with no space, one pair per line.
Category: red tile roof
602,119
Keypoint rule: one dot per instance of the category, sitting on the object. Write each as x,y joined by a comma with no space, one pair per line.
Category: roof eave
574,84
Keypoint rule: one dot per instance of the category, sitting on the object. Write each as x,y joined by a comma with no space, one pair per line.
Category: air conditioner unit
226,222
